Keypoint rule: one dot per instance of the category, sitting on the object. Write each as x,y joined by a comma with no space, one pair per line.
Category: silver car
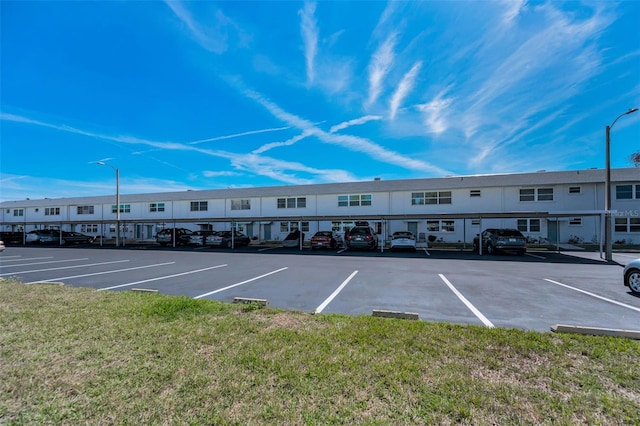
631,276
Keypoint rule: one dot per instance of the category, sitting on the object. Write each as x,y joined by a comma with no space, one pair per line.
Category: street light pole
102,163
607,189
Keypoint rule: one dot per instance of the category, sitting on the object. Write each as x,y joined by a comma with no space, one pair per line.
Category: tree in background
635,158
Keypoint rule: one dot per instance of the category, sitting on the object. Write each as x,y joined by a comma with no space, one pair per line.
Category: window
624,192
529,225
18,212
292,203
474,193
292,226
440,225
475,222
536,194
575,190
89,228
199,206
627,224
240,204
52,211
545,194
124,208
354,200
85,210
430,197
156,207
575,221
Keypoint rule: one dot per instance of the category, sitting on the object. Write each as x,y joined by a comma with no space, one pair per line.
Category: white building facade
565,206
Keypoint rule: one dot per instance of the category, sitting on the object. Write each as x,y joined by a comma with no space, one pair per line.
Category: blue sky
206,95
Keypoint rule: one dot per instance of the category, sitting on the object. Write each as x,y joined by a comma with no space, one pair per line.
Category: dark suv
494,240
165,236
362,237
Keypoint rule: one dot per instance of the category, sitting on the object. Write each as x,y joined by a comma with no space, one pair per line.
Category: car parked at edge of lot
2,246
631,276
199,238
12,237
362,236
293,239
224,239
165,236
325,239
501,239
402,240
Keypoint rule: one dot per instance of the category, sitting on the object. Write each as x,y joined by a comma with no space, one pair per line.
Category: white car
1,246
403,240
631,276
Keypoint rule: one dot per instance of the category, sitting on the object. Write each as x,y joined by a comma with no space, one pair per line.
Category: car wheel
63,242
490,249
633,281
475,247
163,244
521,252
333,244
228,244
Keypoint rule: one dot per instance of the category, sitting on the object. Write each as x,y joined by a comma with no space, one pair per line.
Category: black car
495,240
362,237
224,239
165,236
75,238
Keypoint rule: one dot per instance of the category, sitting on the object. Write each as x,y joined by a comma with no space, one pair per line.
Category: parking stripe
64,267
464,300
240,283
624,305
44,263
7,258
101,273
161,278
335,293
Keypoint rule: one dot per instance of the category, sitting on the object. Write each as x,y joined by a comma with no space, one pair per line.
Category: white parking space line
536,256
161,278
464,300
45,263
63,267
341,250
10,258
588,293
335,293
102,273
240,283
427,252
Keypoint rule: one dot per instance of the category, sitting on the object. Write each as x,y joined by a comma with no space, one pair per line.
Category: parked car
75,238
12,237
37,235
224,239
199,238
165,236
403,240
495,240
293,239
631,276
362,237
325,239
1,246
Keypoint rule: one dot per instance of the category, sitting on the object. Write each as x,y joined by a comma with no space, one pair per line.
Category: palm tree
635,158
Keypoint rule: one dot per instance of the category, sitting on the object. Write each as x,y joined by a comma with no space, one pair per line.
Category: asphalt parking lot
532,292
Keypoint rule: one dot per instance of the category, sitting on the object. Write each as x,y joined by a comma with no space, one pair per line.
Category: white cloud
404,88
379,66
354,122
309,30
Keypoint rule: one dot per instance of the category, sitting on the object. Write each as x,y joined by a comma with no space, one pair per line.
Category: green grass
77,356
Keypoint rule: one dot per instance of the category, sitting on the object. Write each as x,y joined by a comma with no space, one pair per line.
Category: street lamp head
631,110
102,163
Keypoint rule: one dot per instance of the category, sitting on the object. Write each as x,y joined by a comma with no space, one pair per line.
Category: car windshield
508,233
323,234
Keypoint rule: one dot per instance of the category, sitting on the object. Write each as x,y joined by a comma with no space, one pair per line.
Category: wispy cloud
353,143
404,88
309,30
436,112
237,135
379,66
354,122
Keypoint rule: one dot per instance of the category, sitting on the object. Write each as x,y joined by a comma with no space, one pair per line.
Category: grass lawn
78,356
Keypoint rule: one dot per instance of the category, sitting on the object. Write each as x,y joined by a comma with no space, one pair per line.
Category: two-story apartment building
554,206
